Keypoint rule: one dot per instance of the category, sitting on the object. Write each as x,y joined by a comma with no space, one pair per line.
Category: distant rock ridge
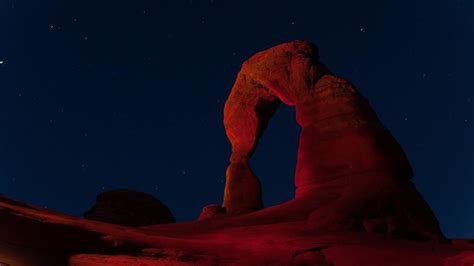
131,208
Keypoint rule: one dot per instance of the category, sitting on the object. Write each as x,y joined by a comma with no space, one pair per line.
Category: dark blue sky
97,95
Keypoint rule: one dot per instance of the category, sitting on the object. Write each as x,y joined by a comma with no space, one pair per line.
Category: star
2,62
292,23
361,29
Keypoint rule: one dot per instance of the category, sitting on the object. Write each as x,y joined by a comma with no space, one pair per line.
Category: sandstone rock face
343,146
126,207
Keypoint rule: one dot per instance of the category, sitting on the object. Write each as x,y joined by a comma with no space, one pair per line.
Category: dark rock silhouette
352,189
131,208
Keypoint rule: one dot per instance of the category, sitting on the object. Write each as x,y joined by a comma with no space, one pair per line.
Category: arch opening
274,160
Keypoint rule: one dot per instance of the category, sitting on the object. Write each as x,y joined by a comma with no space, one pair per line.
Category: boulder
211,211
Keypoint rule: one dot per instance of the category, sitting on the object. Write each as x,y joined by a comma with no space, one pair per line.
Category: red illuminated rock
126,207
353,187
212,211
40,237
348,164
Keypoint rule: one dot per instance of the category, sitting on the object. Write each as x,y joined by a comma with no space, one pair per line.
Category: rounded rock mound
130,208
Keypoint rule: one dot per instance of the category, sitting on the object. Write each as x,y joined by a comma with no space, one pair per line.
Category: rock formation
131,208
350,170
212,211
354,202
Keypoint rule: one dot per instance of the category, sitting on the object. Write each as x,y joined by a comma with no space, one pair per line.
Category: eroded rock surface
349,165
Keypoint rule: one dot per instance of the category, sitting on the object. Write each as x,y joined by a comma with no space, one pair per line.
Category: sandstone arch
379,196
349,169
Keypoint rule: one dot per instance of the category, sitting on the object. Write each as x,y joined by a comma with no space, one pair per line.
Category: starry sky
98,95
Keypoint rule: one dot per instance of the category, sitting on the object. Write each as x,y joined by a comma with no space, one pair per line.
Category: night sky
98,95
